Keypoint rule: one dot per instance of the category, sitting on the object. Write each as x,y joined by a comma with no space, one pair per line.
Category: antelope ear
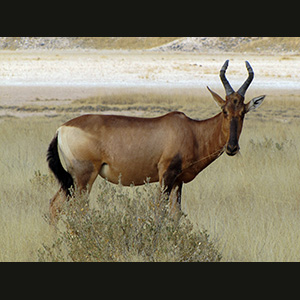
218,99
255,103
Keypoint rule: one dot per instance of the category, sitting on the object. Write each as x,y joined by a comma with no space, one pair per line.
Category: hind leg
84,174
56,204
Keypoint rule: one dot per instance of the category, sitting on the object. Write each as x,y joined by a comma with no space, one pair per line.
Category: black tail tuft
64,178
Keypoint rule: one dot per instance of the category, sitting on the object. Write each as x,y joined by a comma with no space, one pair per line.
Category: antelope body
171,149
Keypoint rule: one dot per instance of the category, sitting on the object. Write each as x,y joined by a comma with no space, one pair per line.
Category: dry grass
249,204
22,203
141,101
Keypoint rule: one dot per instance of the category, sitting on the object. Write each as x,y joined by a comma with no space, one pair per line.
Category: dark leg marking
172,173
179,190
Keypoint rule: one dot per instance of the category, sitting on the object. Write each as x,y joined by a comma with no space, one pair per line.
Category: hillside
269,45
51,43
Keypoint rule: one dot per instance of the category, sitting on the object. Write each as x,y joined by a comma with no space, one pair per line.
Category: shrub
133,224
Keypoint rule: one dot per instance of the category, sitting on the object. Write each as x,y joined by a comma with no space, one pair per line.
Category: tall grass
249,204
22,202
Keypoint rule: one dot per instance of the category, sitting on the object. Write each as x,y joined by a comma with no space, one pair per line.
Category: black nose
232,149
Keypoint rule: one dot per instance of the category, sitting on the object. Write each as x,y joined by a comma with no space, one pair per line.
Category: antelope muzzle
232,147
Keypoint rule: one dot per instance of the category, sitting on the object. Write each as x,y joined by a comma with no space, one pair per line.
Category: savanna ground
249,205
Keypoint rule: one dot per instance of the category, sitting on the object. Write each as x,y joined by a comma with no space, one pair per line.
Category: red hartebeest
171,149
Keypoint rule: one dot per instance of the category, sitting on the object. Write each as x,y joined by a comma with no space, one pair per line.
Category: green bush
133,224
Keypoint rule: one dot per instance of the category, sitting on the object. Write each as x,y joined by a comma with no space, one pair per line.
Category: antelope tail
54,163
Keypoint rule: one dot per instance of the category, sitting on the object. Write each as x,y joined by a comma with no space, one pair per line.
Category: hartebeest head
234,108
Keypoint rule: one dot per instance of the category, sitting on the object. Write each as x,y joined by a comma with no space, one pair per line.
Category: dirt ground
52,76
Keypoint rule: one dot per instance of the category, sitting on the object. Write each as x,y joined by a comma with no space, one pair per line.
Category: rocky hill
270,45
51,43
207,44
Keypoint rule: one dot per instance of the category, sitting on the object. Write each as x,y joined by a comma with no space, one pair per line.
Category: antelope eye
225,113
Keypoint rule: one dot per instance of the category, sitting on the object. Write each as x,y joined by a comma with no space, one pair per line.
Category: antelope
171,149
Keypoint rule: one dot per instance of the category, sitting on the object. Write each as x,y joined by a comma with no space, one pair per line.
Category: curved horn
229,90
242,90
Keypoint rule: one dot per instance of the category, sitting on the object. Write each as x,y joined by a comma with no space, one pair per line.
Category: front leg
178,194
169,171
